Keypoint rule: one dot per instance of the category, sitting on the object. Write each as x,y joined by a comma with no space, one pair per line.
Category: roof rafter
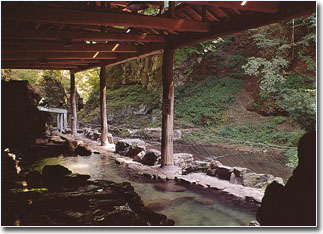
44,14
55,55
78,36
67,47
260,6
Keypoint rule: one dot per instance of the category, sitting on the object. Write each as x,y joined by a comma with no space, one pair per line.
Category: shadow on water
187,205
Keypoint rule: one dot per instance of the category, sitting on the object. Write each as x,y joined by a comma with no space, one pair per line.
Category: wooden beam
24,34
194,12
44,14
211,15
55,55
52,61
38,67
203,10
223,12
73,105
260,6
167,108
39,46
103,105
49,65
122,58
172,9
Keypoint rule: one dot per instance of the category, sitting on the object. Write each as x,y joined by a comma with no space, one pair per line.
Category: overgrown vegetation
204,103
280,47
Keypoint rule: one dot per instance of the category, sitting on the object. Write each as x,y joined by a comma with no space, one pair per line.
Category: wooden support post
103,105
65,121
172,9
73,105
167,107
203,9
58,124
61,121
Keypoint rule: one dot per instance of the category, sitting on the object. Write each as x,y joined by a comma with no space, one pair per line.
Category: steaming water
192,207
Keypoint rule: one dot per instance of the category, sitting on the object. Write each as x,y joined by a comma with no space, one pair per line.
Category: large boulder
52,172
237,175
130,147
196,166
58,177
151,157
21,120
83,150
223,172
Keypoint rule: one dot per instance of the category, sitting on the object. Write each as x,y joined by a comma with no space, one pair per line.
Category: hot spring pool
190,206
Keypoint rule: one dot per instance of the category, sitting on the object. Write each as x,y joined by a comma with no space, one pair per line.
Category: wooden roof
81,35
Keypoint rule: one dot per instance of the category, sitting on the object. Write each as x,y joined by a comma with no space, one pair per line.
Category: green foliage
234,65
293,92
131,95
52,91
292,157
203,103
266,134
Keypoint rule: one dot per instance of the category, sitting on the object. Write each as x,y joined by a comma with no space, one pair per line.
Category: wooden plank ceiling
78,36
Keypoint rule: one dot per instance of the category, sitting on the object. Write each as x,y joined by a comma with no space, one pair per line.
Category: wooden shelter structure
80,35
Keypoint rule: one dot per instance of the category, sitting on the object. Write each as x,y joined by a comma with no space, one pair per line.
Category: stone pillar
167,107
103,106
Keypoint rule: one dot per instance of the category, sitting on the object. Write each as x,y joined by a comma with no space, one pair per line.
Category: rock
153,217
139,157
34,179
83,150
196,166
183,159
254,223
58,177
91,134
151,157
279,180
239,171
110,138
223,172
70,146
130,147
215,164
75,179
167,222
53,172
257,180
211,172
22,120
169,187
203,201
160,205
